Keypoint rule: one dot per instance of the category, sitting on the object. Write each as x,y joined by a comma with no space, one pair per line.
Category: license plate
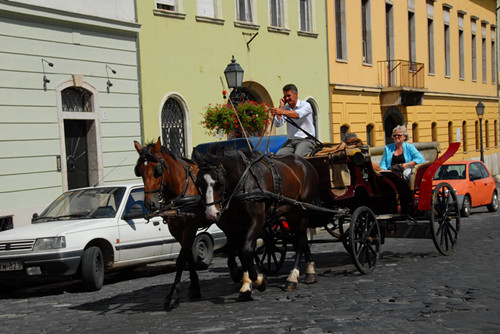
11,266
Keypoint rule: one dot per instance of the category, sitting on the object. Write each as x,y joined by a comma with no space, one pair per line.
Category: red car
473,182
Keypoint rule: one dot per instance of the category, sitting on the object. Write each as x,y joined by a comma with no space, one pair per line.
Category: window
461,52
172,127
169,5
474,49
493,57
450,132
446,17
495,132
412,47
464,136
477,136
370,135
486,134
414,132
276,13
207,8
344,129
366,26
305,15
6,223
433,131
483,51
430,36
340,29
244,10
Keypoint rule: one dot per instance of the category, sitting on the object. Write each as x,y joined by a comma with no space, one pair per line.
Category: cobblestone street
413,289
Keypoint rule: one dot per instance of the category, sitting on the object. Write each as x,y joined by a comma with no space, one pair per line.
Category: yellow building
185,46
424,64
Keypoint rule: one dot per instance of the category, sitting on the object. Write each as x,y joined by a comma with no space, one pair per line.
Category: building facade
424,64
69,100
185,47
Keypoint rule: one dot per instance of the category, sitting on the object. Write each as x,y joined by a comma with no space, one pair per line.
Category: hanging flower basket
220,119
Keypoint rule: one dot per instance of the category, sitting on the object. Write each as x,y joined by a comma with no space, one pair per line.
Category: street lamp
480,113
234,74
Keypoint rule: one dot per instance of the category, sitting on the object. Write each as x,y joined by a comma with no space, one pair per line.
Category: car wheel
493,206
93,269
203,251
466,207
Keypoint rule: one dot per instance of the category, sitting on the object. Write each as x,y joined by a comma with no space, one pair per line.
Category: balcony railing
401,73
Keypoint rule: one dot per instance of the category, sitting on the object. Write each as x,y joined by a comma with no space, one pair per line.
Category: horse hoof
245,296
310,279
290,286
236,275
262,286
194,294
169,306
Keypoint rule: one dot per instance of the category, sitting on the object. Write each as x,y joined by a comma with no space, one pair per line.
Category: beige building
424,64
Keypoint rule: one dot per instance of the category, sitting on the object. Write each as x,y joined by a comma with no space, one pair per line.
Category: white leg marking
247,283
294,276
310,268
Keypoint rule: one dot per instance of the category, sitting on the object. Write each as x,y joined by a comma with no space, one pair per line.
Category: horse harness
256,194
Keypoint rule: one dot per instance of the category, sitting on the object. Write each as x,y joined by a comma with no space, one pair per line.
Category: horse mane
230,151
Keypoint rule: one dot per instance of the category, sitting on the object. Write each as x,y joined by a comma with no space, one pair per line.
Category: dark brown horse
240,190
170,191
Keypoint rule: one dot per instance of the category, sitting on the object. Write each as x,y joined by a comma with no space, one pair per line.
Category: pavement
413,289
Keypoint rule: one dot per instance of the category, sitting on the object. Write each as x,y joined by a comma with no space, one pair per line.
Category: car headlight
50,243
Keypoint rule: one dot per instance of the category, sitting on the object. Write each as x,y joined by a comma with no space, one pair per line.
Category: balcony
402,82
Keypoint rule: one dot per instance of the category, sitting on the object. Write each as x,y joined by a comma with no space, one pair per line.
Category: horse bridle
162,165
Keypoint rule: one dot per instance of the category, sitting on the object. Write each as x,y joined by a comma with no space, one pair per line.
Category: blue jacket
410,153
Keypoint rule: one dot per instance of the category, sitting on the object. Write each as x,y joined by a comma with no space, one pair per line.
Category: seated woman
400,154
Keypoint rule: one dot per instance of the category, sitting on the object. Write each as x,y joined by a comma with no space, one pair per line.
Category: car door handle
156,223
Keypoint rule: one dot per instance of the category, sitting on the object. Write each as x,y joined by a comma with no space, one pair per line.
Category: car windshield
450,172
84,203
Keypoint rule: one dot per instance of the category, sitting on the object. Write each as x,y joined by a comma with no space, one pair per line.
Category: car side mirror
35,216
134,213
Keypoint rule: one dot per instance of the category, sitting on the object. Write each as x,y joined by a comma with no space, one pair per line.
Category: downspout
328,72
139,97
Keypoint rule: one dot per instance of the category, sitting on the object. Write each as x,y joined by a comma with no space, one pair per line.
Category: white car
87,231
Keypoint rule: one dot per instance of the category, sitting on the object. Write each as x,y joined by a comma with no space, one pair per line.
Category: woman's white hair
402,129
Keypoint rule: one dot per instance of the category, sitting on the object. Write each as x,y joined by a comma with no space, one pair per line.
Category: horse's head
150,167
211,180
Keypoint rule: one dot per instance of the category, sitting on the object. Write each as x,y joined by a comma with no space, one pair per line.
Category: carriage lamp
480,113
234,74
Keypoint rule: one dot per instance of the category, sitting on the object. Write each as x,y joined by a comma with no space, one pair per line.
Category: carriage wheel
344,234
445,219
364,239
270,254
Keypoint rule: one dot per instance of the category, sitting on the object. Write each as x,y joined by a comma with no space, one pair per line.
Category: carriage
361,206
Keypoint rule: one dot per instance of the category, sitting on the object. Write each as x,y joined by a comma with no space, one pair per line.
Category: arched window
464,136
450,132
414,132
343,130
370,135
172,127
434,131
76,99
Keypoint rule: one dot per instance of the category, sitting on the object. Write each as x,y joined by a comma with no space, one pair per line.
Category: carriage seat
430,151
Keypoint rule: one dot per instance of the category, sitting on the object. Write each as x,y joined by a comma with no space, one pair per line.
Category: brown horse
240,190
170,191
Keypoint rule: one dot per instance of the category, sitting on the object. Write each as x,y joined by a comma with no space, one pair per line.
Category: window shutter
206,8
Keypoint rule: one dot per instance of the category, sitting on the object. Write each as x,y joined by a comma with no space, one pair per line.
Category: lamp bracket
251,39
